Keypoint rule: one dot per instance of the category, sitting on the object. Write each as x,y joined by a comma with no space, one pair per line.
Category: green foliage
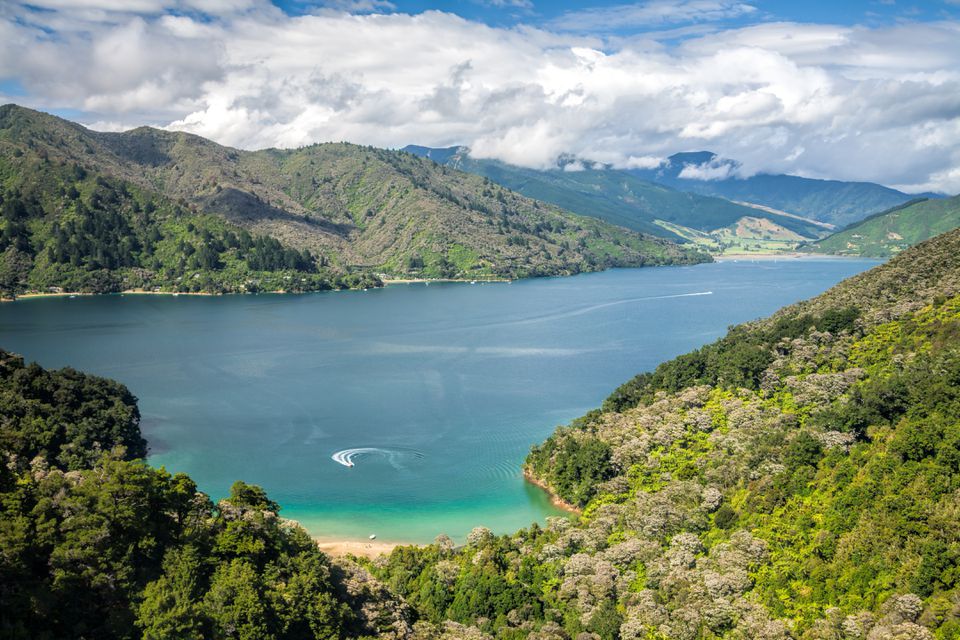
573,467
736,360
96,544
101,235
67,418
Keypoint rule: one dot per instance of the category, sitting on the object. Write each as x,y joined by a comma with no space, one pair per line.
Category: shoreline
132,292
142,292
792,255
370,549
555,500
387,282
31,295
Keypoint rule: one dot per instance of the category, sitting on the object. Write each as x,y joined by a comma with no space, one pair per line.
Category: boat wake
396,457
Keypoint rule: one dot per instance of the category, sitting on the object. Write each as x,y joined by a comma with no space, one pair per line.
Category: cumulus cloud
855,103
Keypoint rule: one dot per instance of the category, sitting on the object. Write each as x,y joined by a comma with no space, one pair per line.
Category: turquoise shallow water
443,388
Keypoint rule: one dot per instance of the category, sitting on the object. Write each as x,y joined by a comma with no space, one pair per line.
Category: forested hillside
890,232
92,211
96,544
66,228
799,478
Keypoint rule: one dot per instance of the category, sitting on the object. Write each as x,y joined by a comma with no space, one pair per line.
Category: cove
405,411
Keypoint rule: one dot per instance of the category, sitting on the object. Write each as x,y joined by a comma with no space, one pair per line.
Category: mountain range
832,201
623,198
149,208
693,196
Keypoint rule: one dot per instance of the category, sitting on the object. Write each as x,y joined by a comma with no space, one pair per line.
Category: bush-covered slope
95,544
330,210
800,478
890,232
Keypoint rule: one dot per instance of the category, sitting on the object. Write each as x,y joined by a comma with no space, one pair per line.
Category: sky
849,90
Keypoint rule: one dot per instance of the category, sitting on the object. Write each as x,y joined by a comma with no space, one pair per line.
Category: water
405,411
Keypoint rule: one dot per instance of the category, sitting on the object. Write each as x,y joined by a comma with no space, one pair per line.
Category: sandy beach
555,500
359,548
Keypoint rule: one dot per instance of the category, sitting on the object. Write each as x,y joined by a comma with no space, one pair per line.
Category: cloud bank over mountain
878,103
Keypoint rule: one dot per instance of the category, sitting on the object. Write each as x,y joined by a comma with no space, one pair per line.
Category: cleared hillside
892,231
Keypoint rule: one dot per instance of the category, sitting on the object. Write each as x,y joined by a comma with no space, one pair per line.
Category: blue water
443,388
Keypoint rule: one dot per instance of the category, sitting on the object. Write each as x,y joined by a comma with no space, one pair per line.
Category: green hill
155,209
619,197
890,232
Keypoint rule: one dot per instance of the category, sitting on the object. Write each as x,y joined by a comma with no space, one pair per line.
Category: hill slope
890,232
834,201
339,206
617,196
800,478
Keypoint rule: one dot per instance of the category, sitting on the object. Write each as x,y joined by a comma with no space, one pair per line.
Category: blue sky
852,90
542,12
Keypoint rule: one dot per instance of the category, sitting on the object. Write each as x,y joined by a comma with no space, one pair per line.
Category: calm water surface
442,389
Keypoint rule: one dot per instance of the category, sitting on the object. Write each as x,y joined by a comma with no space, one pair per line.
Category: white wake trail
393,456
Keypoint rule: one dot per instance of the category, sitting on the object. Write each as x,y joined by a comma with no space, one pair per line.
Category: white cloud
818,100
715,170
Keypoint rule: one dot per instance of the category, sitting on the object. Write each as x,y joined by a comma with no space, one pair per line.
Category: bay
433,393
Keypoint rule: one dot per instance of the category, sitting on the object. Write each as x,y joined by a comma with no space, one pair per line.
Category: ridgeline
159,210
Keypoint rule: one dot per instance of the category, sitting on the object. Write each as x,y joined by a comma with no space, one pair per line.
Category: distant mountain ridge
344,209
889,232
833,201
618,196
631,197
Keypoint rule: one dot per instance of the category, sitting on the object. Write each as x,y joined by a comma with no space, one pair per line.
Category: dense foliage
798,479
67,418
95,544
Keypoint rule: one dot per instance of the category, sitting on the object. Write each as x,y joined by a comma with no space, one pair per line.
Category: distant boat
373,536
